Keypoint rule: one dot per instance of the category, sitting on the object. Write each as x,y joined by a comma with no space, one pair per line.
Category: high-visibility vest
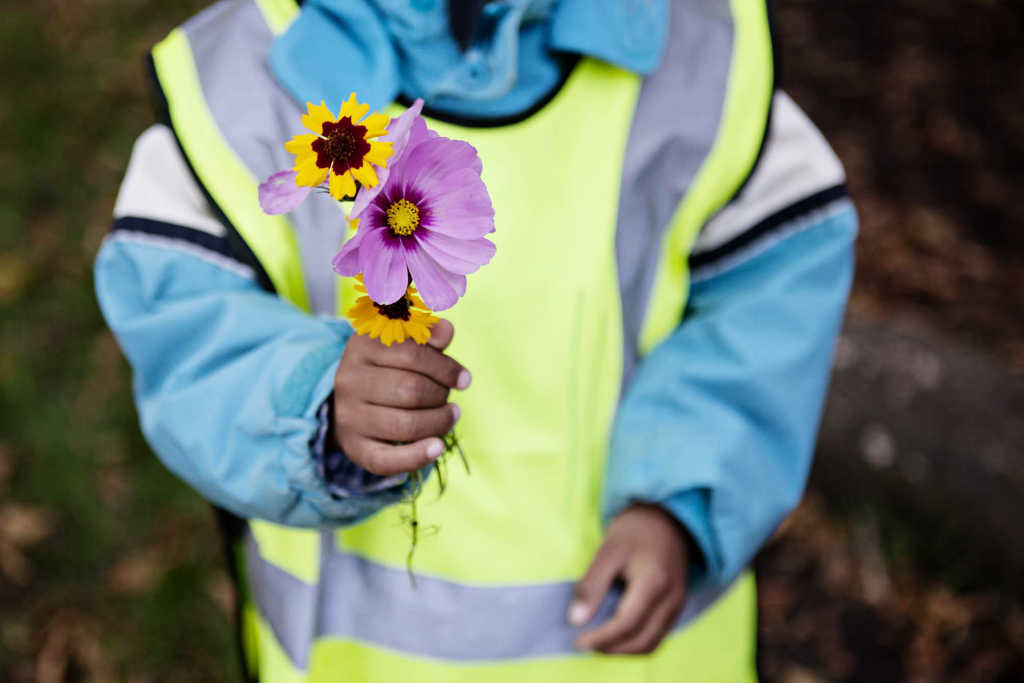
598,197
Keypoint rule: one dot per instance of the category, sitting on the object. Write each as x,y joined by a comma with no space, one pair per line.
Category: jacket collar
383,48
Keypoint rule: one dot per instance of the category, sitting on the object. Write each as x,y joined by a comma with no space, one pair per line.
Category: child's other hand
384,395
647,549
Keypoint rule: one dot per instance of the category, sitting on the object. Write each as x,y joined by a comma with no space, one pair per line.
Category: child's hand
646,548
384,395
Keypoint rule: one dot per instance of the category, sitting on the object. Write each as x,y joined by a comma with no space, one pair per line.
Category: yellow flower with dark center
342,148
407,317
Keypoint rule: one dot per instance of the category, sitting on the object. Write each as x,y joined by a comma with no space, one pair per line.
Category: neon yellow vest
541,328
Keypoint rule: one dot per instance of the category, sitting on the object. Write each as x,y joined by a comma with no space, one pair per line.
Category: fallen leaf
135,573
14,275
222,592
52,661
13,564
24,525
71,638
797,674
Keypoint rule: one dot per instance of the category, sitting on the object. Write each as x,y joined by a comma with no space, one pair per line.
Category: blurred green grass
110,569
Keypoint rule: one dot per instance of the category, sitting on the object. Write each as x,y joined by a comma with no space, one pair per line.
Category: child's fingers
424,360
594,585
635,607
385,459
397,424
441,335
654,629
398,388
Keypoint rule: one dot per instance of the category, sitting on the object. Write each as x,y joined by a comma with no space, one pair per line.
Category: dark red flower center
342,146
396,311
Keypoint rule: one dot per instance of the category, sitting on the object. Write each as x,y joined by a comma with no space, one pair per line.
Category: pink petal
431,163
453,254
346,261
382,260
279,194
400,133
462,208
401,126
439,288
457,282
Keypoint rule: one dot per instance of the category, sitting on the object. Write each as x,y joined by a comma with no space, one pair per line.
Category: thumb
441,335
590,591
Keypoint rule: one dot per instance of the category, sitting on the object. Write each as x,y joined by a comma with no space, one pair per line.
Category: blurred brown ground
869,580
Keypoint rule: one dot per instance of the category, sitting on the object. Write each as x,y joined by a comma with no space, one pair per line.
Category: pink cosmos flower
427,219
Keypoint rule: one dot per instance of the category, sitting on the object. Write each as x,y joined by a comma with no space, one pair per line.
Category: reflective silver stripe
230,41
359,600
673,130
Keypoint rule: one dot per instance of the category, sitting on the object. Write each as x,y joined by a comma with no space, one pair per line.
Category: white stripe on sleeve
796,163
158,185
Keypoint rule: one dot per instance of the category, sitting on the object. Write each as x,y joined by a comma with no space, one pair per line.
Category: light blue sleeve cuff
344,478
692,509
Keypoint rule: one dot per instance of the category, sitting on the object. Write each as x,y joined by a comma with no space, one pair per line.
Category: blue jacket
231,382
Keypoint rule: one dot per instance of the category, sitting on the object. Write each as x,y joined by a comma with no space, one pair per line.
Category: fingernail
456,411
435,449
578,614
464,379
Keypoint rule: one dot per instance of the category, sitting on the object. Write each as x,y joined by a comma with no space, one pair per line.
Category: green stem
414,524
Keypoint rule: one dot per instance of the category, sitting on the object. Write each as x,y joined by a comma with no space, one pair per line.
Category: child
649,347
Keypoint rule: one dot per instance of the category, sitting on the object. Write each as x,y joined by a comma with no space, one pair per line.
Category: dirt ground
924,102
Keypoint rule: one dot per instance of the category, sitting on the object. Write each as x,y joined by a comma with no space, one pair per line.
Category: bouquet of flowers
421,213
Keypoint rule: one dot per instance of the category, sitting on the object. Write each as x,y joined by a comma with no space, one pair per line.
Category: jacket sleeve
228,379
719,422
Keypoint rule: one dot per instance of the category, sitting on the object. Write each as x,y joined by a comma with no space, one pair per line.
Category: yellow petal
365,175
342,185
376,124
397,333
353,109
379,153
359,311
383,336
318,114
301,144
419,333
387,335
305,160
308,174
424,319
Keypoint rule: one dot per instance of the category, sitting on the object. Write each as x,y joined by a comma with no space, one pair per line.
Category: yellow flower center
403,217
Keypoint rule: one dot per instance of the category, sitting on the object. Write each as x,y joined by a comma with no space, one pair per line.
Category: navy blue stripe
178,232
768,226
